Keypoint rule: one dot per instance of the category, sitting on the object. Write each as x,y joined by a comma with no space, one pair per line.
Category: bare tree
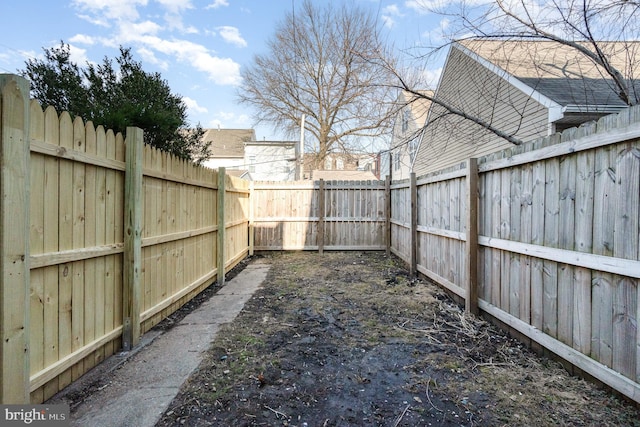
587,26
601,34
318,66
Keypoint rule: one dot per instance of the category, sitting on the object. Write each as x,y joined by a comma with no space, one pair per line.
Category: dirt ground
350,339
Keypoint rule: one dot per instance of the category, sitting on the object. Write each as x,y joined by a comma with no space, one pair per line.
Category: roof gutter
603,108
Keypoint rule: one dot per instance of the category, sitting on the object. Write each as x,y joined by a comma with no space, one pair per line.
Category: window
405,119
413,147
252,164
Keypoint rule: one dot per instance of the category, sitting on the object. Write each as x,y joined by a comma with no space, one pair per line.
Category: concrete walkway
139,386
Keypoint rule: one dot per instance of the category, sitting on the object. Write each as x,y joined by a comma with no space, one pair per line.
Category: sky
198,46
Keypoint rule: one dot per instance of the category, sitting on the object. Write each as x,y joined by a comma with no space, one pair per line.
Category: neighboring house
271,160
410,119
238,151
227,147
369,163
342,162
528,89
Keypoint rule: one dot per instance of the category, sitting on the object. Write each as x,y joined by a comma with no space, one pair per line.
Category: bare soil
350,339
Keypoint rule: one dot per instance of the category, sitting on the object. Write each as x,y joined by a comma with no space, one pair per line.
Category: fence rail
102,237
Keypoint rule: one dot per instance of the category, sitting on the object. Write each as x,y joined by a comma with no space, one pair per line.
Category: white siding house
527,89
271,160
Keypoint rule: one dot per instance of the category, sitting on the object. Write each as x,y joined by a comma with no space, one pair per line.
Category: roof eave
591,108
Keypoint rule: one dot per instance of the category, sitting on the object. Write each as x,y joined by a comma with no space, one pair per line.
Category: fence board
603,211
525,206
110,238
537,238
51,201
505,233
89,327
626,244
514,263
66,242
36,246
551,233
584,243
78,280
495,231
100,232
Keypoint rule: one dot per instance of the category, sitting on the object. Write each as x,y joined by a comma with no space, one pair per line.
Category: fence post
471,300
414,225
132,238
251,215
321,216
221,225
387,213
14,246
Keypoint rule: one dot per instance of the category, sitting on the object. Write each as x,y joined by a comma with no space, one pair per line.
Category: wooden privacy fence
102,237
544,238
308,215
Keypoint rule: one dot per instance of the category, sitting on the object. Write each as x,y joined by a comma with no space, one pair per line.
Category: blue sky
199,46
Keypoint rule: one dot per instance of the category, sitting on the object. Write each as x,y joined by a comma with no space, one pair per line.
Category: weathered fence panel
96,276
331,215
558,229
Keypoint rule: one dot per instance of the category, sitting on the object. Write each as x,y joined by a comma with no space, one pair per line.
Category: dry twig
397,423
278,413
429,398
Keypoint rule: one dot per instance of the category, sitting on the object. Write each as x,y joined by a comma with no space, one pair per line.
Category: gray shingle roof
227,143
578,91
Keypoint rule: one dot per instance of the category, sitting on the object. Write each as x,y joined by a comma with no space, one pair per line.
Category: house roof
272,143
240,173
228,143
343,175
557,71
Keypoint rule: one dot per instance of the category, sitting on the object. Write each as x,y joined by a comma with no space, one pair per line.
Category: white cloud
83,39
144,28
438,35
173,17
93,20
232,35
217,3
389,13
150,57
424,7
176,6
431,77
192,105
144,37
230,120
388,21
222,71
120,10
78,55
392,10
